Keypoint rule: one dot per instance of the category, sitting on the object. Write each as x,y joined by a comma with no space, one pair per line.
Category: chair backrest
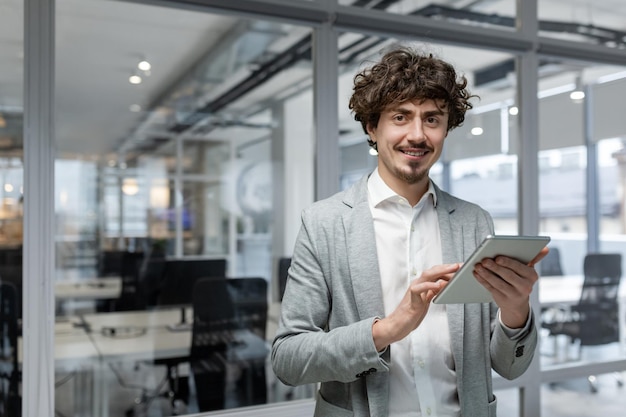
551,264
13,274
598,307
283,268
213,314
249,296
9,368
603,272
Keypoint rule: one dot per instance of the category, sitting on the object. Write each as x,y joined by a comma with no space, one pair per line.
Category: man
356,314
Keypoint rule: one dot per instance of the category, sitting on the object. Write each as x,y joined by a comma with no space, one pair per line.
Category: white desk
88,289
145,336
565,290
156,341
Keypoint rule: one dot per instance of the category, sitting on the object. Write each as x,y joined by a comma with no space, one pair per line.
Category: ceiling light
477,131
579,93
130,186
135,108
134,79
144,65
513,110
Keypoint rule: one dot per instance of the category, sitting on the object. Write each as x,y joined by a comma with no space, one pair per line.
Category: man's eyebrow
437,112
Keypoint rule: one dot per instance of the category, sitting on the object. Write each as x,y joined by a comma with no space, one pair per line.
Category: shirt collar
379,191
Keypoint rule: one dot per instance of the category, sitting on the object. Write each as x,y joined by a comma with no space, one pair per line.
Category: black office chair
249,297
10,400
131,296
169,284
550,265
594,320
222,307
283,268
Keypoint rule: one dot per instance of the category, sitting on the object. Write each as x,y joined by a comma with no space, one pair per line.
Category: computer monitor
179,278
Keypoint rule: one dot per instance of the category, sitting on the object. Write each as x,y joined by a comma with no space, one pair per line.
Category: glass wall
581,207
496,14
172,144
188,135
592,22
11,202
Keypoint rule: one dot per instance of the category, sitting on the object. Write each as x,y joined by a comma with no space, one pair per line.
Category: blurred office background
183,139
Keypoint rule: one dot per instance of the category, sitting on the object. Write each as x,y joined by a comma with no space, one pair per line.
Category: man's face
410,138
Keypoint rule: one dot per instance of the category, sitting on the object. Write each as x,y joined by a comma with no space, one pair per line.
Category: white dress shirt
422,380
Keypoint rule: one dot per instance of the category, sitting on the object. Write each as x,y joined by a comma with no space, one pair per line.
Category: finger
539,256
439,271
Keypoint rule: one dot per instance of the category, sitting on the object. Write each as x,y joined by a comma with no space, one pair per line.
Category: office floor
566,399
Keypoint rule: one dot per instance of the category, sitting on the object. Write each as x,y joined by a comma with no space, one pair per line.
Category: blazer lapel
362,257
451,232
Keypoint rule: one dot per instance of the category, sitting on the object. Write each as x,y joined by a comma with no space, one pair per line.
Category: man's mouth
414,153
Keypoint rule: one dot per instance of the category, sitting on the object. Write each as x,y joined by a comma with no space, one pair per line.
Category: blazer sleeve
306,349
511,357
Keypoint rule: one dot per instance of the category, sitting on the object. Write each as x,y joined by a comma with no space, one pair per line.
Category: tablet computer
464,288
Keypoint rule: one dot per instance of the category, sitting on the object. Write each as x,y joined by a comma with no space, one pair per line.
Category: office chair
10,400
213,319
222,308
283,268
249,297
551,264
594,320
169,283
131,297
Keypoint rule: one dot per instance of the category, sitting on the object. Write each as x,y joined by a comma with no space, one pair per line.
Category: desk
88,289
565,290
153,340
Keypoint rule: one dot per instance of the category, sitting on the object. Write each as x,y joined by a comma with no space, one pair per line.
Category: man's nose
416,131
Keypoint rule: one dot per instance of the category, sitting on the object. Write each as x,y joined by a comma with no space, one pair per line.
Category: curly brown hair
404,74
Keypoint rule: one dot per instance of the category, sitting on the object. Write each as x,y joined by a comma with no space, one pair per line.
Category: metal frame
38,248
326,17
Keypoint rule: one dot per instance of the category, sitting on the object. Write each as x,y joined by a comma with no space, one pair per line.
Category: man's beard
412,177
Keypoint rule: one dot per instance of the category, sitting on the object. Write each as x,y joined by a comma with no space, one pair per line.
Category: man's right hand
414,305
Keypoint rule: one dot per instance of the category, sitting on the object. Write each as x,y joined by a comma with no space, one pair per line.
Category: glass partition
11,202
170,174
582,301
496,14
598,22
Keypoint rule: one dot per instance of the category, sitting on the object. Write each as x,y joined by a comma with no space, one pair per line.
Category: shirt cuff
515,333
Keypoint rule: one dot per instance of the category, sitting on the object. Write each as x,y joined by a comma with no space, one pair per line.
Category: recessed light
144,65
134,79
476,131
135,108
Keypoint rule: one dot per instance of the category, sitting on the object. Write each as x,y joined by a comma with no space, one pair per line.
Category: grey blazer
333,295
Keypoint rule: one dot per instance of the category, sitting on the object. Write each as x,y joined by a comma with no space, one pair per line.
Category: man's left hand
510,282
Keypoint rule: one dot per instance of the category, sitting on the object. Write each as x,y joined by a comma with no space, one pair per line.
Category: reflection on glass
496,14
599,22
171,141
11,204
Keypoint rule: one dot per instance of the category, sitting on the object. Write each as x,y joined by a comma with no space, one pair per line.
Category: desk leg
100,390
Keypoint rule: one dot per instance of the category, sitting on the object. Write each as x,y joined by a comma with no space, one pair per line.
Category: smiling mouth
414,153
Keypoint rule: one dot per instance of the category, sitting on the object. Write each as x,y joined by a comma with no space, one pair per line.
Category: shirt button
428,411
420,363
413,272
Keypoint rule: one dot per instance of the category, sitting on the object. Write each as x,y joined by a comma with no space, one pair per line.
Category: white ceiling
100,41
